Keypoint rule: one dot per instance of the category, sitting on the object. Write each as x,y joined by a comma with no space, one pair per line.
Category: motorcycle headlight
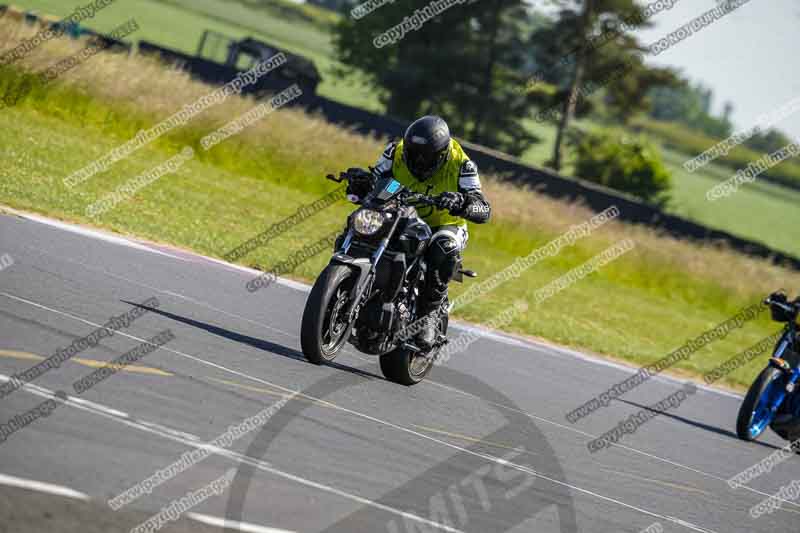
368,221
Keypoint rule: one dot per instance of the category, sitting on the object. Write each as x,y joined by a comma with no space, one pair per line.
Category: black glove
452,201
778,296
359,182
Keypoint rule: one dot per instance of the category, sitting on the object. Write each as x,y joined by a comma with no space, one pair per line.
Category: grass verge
638,308
305,29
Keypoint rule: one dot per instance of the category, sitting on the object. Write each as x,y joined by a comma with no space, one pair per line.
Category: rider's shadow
701,425
260,344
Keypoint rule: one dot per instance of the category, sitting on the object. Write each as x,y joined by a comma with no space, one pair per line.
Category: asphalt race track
482,446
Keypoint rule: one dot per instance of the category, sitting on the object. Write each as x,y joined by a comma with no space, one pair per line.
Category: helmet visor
421,161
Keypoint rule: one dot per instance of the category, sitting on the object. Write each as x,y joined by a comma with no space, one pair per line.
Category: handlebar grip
341,178
785,306
425,200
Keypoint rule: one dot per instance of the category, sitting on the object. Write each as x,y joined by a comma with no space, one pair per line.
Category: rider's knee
443,257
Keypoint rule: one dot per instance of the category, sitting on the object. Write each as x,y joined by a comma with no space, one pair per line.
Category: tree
589,47
768,141
464,64
690,105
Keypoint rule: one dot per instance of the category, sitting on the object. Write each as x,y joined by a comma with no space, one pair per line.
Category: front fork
365,268
792,374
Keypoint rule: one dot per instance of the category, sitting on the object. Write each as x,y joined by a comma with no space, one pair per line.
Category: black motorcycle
368,294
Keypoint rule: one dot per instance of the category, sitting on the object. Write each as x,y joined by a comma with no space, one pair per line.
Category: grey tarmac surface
482,446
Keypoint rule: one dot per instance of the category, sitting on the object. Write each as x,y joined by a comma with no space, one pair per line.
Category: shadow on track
260,344
694,423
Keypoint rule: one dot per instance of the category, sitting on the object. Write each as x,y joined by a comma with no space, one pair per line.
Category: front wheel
755,414
409,368
324,327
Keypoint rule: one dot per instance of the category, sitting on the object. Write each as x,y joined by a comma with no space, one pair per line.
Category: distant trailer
219,59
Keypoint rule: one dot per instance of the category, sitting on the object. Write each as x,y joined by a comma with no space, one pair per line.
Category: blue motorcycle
771,400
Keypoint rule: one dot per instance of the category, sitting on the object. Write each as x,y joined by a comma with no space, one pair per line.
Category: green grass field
761,211
638,308
157,18
630,309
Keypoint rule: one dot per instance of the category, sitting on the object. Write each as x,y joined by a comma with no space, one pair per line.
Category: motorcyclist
429,161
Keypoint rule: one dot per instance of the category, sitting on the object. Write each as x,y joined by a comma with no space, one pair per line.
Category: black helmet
426,146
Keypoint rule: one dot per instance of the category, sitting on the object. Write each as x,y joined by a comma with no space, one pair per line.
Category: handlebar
778,300
420,199
411,198
786,306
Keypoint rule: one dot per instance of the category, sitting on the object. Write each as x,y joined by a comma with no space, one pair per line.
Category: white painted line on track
99,407
487,457
40,486
502,406
234,525
180,296
176,435
59,490
533,416
614,445
97,234
553,350
168,292
130,243
498,336
540,347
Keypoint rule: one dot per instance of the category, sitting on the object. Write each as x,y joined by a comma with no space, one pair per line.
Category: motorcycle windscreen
387,187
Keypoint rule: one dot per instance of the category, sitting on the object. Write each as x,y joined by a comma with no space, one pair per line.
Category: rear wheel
324,327
409,368
755,413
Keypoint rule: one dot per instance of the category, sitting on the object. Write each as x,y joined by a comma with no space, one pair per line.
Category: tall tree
590,47
465,64
584,23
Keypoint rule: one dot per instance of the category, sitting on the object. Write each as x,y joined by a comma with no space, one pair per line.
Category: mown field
638,308
157,18
771,215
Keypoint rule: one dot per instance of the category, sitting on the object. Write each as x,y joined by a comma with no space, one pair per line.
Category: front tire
401,367
322,332
754,414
